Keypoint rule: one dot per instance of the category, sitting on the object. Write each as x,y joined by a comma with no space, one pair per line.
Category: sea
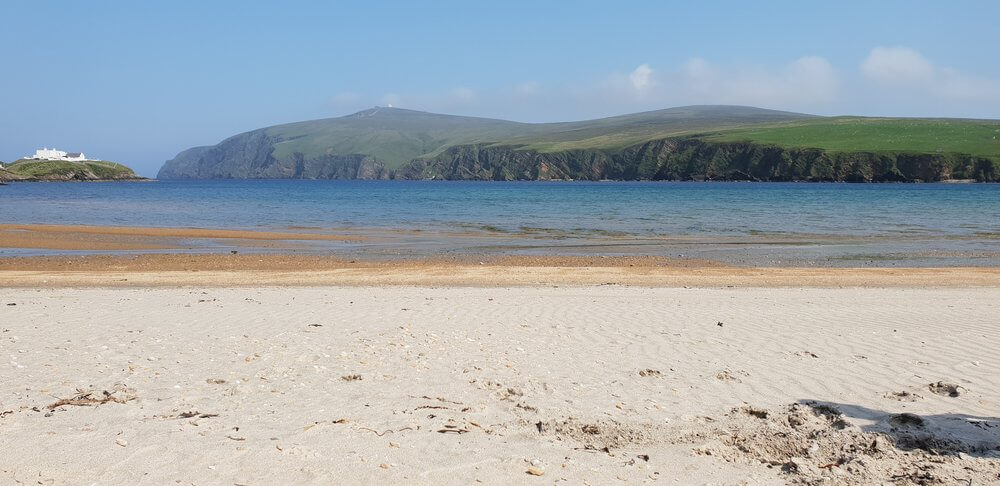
894,223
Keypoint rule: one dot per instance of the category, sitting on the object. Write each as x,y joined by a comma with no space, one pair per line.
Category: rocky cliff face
250,156
696,159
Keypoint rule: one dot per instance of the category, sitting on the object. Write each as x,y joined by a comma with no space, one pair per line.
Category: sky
137,82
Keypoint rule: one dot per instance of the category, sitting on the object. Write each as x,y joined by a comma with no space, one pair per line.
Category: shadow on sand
939,434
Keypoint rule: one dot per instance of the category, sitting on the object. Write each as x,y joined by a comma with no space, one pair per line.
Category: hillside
60,170
695,142
853,134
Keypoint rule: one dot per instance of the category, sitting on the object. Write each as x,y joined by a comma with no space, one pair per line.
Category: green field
61,169
396,136
854,134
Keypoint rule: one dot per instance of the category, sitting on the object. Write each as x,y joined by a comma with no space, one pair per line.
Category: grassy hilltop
398,136
856,134
62,170
695,142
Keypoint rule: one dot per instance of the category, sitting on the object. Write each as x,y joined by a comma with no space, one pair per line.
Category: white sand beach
525,385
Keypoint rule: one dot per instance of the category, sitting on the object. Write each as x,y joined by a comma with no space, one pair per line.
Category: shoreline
125,256
248,270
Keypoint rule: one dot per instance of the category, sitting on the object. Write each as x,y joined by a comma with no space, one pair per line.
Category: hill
62,170
695,142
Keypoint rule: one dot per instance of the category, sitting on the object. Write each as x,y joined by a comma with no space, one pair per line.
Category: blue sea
966,215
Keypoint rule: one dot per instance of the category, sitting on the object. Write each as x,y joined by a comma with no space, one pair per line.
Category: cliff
686,143
697,159
251,156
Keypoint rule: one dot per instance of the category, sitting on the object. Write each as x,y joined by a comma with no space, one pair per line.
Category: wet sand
752,250
159,270
72,237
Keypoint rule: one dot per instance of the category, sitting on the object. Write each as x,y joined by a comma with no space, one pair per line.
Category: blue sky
137,82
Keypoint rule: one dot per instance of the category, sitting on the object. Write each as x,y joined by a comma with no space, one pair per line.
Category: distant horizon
140,83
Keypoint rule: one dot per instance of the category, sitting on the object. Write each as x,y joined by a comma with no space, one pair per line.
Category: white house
53,154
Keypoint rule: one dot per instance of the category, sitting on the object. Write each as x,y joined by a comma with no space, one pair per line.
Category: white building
53,154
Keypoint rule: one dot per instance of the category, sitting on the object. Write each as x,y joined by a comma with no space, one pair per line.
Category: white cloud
897,64
905,68
807,81
463,94
803,84
641,77
527,88
391,99
891,81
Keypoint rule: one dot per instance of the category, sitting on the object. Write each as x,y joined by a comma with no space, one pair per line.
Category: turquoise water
618,208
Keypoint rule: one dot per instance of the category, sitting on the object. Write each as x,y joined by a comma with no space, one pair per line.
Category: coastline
120,256
248,270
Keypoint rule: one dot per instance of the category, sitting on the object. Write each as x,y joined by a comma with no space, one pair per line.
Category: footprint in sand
944,389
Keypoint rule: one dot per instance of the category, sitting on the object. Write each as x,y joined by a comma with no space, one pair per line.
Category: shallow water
756,221
636,208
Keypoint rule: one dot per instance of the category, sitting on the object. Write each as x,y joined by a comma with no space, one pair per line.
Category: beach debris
118,394
386,431
351,377
383,466
725,375
440,399
903,396
535,471
644,457
11,304
452,429
433,407
720,324
121,442
315,325
197,414
215,381
649,372
944,389
806,354
526,407
233,252
511,394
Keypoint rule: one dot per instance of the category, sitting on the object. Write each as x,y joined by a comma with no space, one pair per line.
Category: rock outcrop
697,159
29,170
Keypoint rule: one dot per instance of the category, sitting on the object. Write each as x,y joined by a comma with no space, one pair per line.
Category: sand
107,238
583,384
242,270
